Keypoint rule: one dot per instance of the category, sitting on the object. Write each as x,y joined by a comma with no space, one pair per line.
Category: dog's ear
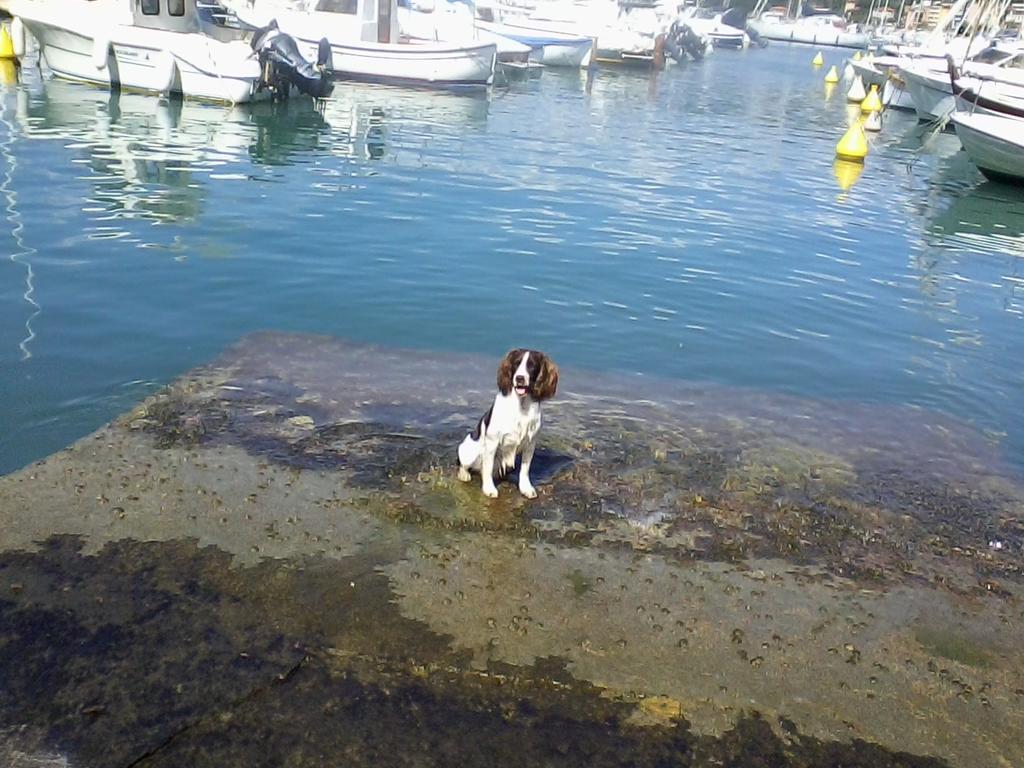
547,379
507,368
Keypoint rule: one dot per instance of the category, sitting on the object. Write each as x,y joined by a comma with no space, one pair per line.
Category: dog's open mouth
521,391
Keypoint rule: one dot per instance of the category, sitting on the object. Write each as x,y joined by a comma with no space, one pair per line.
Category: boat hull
552,49
994,143
727,40
975,97
797,33
150,64
619,58
932,95
414,63
895,96
868,72
354,57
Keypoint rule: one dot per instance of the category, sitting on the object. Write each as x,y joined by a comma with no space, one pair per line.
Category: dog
526,378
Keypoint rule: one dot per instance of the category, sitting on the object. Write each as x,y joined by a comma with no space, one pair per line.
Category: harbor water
687,225
781,505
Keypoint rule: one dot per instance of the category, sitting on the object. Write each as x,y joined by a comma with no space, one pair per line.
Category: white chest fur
513,422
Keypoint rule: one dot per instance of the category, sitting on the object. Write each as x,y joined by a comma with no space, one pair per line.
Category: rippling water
689,225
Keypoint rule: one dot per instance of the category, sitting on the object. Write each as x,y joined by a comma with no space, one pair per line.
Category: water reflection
846,172
23,253
148,155
142,153
285,133
986,223
377,122
986,219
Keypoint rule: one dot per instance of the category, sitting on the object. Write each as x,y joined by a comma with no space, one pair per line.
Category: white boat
895,96
162,46
989,97
366,43
708,24
549,47
929,88
874,70
994,143
451,21
929,84
625,31
816,29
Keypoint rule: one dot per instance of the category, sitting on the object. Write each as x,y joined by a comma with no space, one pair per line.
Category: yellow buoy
818,59
847,172
832,76
856,56
849,72
871,103
8,72
854,144
873,122
856,92
6,44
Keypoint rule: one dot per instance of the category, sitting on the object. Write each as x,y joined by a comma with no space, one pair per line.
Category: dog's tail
469,451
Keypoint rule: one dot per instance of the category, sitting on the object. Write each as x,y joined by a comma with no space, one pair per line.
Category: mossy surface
273,562
157,654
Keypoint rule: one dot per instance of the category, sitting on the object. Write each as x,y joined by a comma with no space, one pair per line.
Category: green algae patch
685,482
579,583
786,468
953,646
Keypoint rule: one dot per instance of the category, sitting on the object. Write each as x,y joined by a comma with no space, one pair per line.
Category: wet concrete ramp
271,562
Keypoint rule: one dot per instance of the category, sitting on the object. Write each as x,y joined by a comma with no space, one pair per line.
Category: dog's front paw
464,475
491,492
528,491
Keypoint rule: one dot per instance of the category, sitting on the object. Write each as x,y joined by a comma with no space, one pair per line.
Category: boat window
337,6
150,7
1017,62
176,7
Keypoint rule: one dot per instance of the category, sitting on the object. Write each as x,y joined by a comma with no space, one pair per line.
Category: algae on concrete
272,560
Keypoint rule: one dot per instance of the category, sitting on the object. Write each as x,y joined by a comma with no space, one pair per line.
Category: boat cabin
375,20
186,16
368,21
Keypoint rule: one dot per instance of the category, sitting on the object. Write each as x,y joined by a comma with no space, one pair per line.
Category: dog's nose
520,381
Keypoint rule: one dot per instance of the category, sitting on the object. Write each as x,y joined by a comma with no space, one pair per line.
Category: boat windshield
218,22
991,55
337,6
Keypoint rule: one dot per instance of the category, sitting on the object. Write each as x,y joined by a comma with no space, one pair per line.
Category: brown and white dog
525,379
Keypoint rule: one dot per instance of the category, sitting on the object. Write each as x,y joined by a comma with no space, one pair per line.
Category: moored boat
187,47
998,94
711,25
549,47
995,144
451,21
366,42
814,28
929,80
626,31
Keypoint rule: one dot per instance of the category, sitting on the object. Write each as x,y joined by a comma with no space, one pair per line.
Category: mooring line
928,131
18,226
